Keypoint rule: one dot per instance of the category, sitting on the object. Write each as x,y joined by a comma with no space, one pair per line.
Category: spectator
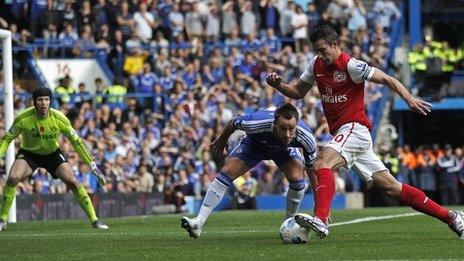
115,94
357,17
41,181
212,23
286,19
271,40
336,11
144,23
229,19
449,167
245,192
194,22
205,180
101,13
125,20
269,16
144,83
68,38
176,20
69,13
268,186
248,20
65,91
384,11
82,95
313,16
85,16
145,179
299,24
47,18
427,177
159,187
37,7
84,176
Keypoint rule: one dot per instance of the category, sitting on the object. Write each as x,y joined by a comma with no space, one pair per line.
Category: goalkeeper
41,127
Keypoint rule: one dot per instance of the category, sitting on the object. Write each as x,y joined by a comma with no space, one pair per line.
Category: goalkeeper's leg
18,172
65,173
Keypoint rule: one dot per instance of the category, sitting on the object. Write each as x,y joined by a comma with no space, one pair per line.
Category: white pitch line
368,219
354,221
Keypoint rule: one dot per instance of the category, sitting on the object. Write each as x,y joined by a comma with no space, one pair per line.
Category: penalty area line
374,218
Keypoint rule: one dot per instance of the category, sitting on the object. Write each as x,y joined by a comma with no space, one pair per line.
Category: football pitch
376,233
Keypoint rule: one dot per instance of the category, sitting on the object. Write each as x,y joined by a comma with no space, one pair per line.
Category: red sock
416,199
325,191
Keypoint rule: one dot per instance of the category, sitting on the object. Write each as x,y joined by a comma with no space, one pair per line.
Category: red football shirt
341,86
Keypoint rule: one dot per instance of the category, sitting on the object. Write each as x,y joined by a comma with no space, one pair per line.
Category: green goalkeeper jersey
40,135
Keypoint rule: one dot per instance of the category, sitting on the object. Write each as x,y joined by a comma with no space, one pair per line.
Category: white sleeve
308,75
359,70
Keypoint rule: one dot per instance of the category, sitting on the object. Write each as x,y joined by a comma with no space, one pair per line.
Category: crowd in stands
197,63
432,64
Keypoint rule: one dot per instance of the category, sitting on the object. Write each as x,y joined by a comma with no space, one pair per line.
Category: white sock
213,197
294,197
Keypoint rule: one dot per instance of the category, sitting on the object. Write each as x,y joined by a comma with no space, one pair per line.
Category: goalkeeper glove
97,173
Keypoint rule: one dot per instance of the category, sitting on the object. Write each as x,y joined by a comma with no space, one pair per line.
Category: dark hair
325,32
41,91
288,111
117,81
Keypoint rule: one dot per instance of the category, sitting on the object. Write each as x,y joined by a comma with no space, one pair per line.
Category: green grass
234,235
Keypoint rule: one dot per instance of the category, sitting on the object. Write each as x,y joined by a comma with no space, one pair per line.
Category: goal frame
7,60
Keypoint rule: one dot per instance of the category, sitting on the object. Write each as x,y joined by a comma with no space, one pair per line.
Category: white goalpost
7,60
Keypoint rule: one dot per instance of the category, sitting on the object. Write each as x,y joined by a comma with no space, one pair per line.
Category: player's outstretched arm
84,154
218,145
9,136
415,104
80,148
297,90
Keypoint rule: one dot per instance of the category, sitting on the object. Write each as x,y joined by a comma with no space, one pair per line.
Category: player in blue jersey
270,135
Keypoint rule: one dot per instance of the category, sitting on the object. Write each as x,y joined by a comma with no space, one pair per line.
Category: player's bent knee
295,174
227,172
321,163
73,185
293,169
392,189
13,180
387,183
234,168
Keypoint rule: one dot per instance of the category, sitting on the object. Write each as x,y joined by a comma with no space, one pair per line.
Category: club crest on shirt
339,76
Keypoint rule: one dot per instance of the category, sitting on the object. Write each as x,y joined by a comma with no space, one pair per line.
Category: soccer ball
291,233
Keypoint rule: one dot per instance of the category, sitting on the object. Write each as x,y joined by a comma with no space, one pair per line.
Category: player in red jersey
340,80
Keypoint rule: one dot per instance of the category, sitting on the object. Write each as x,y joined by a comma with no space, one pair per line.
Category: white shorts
354,142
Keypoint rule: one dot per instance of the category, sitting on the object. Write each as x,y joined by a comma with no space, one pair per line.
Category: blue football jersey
258,127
